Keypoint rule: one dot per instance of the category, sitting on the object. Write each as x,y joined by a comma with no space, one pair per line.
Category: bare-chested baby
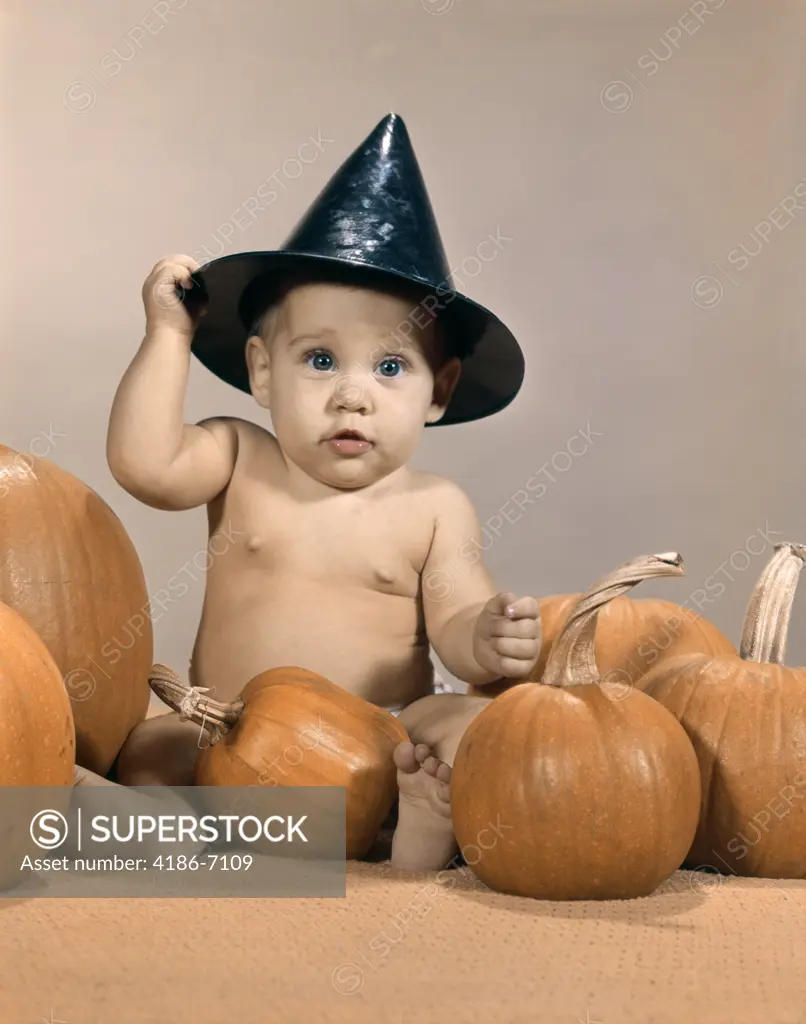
332,538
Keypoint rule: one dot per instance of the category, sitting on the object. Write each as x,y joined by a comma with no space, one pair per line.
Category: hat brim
491,375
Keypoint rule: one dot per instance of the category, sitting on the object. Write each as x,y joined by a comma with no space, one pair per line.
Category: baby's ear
258,362
444,386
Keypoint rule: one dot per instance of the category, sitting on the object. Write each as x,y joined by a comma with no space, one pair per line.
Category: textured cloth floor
424,948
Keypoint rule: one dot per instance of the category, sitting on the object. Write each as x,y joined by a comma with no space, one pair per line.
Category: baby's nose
350,391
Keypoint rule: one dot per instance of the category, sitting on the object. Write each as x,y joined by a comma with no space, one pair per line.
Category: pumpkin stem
766,621
218,718
572,661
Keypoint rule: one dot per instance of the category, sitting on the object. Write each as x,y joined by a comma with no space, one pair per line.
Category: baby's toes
405,757
437,769
443,778
422,752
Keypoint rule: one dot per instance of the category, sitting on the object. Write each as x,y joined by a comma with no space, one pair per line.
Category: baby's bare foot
423,839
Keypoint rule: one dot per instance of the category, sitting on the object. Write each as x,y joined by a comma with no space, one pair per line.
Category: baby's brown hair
454,335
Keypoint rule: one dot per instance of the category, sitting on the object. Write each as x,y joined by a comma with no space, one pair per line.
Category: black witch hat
372,223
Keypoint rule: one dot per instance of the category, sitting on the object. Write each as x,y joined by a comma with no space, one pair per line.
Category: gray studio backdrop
643,163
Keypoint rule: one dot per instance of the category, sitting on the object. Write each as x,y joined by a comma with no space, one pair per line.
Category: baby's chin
351,473
346,472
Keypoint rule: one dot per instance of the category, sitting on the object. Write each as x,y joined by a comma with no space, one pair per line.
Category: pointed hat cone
371,223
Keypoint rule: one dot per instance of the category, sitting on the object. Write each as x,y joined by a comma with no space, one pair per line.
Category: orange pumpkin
746,717
37,741
337,739
568,790
70,569
631,637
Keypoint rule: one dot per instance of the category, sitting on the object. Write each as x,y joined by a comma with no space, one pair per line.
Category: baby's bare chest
380,546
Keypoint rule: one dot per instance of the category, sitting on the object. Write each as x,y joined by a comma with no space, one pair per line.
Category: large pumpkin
292,727
37,740
69,568
746,717
565,790
631,637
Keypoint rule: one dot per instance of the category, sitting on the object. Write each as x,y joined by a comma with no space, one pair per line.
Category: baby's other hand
162,296
508,635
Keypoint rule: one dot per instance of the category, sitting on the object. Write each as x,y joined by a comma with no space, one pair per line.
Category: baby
328,551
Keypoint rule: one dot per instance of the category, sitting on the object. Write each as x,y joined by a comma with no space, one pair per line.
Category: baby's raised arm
152,453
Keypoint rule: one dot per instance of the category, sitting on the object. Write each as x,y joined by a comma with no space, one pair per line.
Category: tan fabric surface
700,950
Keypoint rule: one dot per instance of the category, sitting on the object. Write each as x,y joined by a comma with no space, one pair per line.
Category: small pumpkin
338,739
70,569
631,637
37,742
746,717
581,792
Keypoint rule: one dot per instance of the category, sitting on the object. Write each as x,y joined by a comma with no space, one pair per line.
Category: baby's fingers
500,604
523,608
177,259
509,647
514,668
522,629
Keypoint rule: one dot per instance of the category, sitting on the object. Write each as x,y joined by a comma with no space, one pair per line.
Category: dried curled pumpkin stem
766,621
572,661
218,718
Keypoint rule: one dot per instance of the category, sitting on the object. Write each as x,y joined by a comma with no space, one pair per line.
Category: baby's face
338,361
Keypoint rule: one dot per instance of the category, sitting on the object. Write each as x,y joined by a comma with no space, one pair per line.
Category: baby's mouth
349,442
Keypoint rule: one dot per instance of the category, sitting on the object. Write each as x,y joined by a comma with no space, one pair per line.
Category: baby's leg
424,839
161,751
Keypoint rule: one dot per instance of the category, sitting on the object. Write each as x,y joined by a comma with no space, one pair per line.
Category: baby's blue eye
322,360
393,364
